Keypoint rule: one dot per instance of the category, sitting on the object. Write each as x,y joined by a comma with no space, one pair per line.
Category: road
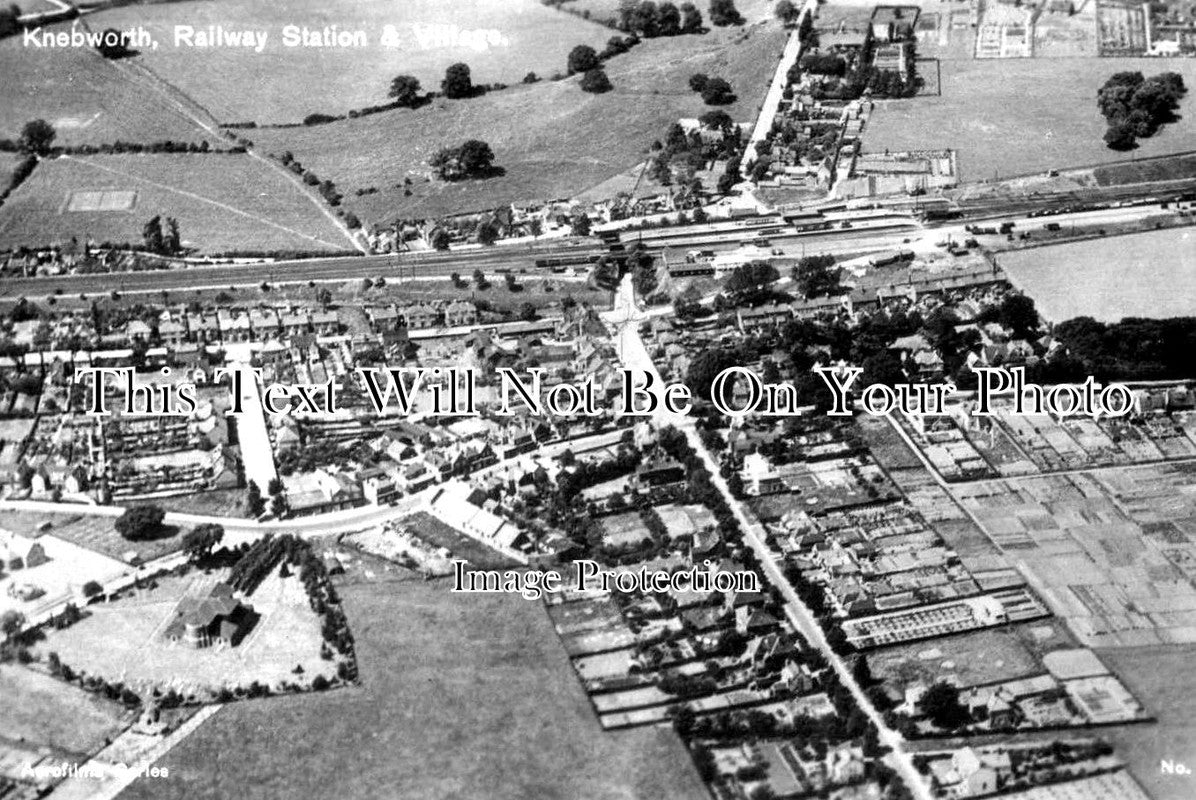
625,318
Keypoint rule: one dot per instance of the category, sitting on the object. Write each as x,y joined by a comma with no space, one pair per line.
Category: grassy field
1015,116
552,139
1090,278
40,710
1163,680
973,658
86,98
222,203
123,640
92,532
284,84
460,697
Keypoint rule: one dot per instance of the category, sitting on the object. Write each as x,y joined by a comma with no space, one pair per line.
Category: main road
625,318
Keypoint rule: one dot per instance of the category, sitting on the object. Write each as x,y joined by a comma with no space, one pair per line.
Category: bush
595,81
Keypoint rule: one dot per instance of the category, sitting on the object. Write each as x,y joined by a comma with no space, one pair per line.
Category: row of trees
646,18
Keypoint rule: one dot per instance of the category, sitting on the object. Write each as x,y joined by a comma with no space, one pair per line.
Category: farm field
459,698
1089,278
87,99
1015,116
284,84
552,139
207,194
39,710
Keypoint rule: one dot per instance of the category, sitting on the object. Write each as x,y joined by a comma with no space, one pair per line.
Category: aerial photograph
597,399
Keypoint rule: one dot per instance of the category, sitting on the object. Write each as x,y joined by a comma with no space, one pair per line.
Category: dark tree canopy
1136,107
691,18
36,137
583,58
717,92
472,159
724,12
141,523
457,81
405,91
595,81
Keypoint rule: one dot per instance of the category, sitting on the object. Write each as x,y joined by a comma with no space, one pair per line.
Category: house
20,552
218,618
325,323
265,323
759,476
420,316
460,314
377,487
659,473
171,333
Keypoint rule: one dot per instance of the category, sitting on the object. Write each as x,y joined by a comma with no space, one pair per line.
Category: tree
941,706
479,280
691,18
716,120
92,588
786,12
457,82
151,234
324,297
441,239
580,223
724,13
141,523
595,81
668,20
278,505
200,541
8,20
476,157
36,137
253,499
697,81
1121,136
487,234
1018,313
11,623
582,58
717,92
881,367
405,91
527,312
171,240
815,276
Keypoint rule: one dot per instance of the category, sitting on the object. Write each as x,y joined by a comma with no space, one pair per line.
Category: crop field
1089,278
41,711
501,40
459,698
87,99
1016,116
209,195
552,139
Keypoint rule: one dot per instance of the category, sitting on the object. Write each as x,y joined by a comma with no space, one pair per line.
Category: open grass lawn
1163,681
43,711
552,139
461,697
971,659
1016,116
223,202
284,84
87,99
123,640
1090,278
92,532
